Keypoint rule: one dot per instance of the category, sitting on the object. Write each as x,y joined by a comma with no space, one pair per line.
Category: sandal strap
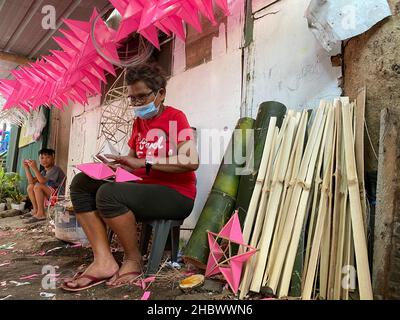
87,276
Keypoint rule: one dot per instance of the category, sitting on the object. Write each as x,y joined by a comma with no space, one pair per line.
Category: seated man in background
43,184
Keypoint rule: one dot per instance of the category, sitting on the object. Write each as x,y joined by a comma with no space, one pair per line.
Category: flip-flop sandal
76,276
27,215
93,283
119,277
35,220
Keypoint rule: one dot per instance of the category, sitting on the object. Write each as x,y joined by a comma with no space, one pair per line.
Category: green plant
10,186
3,186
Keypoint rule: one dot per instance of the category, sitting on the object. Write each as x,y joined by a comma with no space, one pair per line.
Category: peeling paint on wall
83,139
289,64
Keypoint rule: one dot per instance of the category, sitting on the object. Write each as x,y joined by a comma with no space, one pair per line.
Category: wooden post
386,262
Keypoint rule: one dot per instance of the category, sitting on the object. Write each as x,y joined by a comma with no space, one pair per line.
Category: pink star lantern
97,171
124,176
100,171
230,266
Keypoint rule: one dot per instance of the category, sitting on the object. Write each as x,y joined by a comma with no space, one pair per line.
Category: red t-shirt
159,137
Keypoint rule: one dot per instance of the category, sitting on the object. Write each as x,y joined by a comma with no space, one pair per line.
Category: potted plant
3,189
13,191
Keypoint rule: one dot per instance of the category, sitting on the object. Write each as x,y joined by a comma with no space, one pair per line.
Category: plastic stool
160,229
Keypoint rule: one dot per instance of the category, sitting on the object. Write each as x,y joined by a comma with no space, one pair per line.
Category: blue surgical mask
147,111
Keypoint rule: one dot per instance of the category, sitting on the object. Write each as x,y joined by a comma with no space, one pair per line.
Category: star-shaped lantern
221,259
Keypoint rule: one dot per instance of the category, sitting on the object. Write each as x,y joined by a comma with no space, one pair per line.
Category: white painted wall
288,64
83,136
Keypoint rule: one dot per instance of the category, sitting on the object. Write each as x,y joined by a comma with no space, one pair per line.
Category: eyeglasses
140,99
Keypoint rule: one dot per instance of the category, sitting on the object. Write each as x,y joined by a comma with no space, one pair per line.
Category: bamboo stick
308,161
262,181
325,134
341,194
359,133
290,181
347,249
325,246
247,277
357,221
272,207
323,212
330,234
315,200
251,214
352,253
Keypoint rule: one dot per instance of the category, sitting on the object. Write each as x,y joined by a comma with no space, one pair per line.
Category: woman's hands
127,162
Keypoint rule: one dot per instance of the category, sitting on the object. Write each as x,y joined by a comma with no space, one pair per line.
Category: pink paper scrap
32,276
145,296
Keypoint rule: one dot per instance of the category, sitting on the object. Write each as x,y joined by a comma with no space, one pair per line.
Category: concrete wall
373,60
286,63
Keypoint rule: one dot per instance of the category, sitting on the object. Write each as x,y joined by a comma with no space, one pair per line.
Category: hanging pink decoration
77,70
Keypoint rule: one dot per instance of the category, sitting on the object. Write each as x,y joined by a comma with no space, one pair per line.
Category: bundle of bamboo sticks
308,205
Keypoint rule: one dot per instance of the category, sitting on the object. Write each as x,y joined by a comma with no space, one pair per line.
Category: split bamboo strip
352,252
359,133
311,227
249,268
251,214
317,190
330,237
290,181
347,250
357,221
323,211
309,155
273,204
326,240
341,195
268,178
325,134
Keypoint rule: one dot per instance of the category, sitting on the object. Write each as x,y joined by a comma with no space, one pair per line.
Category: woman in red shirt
163,153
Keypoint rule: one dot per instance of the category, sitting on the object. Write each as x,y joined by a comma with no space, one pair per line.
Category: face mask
147,111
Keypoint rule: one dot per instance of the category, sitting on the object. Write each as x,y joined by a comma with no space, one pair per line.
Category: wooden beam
14,58
387,226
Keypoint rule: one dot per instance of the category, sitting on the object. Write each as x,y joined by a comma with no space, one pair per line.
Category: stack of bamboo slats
310,186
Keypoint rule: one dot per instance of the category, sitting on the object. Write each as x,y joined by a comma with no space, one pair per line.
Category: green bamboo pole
266,111
221,201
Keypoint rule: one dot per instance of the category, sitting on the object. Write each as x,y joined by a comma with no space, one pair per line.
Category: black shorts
146,201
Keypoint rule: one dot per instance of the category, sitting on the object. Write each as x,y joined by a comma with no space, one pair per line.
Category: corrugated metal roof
21,31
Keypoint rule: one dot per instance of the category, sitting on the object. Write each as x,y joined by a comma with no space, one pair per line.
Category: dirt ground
30,256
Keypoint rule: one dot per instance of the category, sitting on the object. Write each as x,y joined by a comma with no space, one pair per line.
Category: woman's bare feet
130,271
103,269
